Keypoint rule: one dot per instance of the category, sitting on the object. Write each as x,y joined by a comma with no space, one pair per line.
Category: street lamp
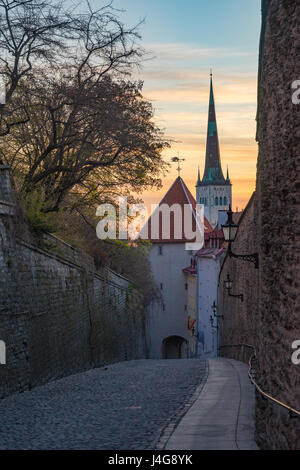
228,282
215,309
212,323
228,285
230,231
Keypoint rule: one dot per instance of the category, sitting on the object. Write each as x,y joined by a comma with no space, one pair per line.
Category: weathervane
178,160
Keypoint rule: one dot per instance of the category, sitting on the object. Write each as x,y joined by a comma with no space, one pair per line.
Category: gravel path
123,407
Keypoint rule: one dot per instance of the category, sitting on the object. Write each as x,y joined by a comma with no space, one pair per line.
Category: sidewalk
222,418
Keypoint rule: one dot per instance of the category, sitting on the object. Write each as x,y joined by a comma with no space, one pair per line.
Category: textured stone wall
270,316
59,316
279,220
240,318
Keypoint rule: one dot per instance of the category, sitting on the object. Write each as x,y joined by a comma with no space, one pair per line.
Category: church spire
228,179
199,177
213,173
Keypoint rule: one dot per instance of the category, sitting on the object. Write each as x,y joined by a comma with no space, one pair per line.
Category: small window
160,250
161,287
186,286
164,308
225,201
221,201
216,201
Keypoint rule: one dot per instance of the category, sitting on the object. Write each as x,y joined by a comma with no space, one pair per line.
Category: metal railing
251,372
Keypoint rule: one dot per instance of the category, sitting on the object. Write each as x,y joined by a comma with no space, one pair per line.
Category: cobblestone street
125,406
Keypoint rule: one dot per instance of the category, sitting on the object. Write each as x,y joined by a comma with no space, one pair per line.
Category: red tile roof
211,252
215,233
177,194
190,270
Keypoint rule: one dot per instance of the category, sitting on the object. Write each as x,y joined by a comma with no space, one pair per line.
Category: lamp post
230,231
215,309
228,285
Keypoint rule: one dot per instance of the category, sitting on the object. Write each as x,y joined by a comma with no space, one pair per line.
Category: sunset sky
186,39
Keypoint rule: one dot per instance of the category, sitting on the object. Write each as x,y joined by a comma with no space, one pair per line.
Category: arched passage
174,347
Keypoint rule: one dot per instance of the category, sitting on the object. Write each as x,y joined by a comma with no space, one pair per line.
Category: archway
174,347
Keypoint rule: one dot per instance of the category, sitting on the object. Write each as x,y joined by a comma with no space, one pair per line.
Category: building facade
209,260
168,325
179,321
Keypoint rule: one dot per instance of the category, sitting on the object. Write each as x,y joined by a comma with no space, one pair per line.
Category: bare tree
85,141
35,34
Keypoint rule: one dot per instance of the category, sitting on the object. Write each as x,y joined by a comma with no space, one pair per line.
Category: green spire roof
213,173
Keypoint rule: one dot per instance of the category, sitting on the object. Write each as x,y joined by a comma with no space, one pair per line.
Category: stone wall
58,315
240,318
270,316
278,201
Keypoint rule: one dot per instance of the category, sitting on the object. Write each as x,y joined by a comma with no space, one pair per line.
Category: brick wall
58,316
270,316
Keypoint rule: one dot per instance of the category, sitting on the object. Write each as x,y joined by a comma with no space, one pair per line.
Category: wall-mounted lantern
230,231
228,285
212,323
215,309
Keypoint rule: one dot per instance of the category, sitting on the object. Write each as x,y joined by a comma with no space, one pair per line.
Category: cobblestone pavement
123,407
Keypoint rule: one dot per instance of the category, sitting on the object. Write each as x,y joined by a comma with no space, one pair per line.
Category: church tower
213,191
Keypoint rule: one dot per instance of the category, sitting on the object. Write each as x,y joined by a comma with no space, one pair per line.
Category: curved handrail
292,411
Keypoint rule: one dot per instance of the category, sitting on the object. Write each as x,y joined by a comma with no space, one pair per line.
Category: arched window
225,201
221,201
205,202
216,201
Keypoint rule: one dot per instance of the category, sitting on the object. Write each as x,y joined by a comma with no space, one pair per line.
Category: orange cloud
179,92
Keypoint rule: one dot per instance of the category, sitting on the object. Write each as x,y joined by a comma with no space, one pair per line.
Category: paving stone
124,407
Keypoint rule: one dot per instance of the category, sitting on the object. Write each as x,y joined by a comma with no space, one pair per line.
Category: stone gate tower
214,191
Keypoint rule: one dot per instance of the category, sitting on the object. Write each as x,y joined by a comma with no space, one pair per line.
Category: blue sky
185,38
212,23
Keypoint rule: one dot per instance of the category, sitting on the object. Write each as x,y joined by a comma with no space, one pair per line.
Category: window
225,201
161,287
216,201
186,287
164,308
160,250
221,201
